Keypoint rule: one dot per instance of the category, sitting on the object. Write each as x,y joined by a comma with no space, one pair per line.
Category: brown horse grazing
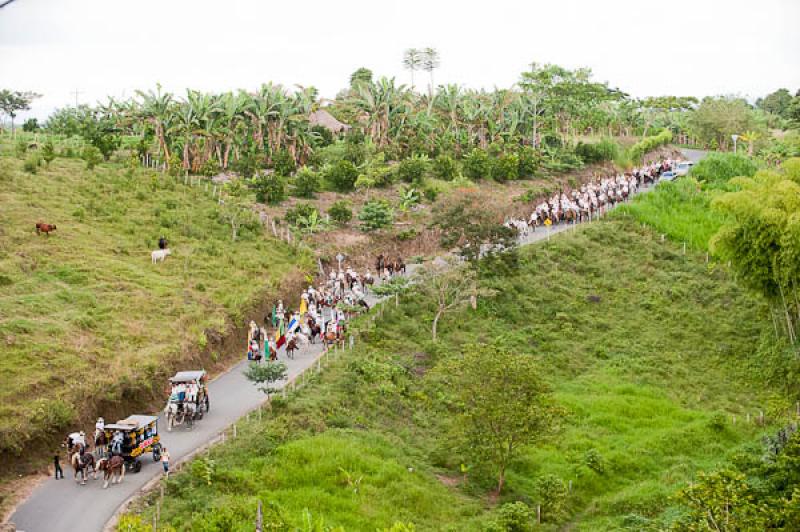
42,227
81,463
291,347
113,469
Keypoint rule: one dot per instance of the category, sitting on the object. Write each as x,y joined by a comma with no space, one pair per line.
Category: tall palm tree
412,61
430,62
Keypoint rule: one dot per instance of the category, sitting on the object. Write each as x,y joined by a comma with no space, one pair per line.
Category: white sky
111,47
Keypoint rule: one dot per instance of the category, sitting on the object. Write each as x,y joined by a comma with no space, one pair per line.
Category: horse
380,264
81,462
113,469
332,338
399,266
291,347
314,329
273,353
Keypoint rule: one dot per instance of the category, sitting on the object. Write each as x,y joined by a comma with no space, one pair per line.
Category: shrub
717,168
594,461
342,176
412,170
430,193
299,210
529,161
21,148
48,152
355,152
270,188
31,164
505,168
375,214
445,168
92,156
647,144
306,183
477,165
605,150
210,168
552,495
324,136
340,212
283,163
514,517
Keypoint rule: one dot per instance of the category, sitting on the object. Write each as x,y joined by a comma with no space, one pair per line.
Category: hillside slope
88,325
648,374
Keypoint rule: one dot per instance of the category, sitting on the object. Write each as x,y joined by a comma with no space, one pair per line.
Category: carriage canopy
189,376
131,423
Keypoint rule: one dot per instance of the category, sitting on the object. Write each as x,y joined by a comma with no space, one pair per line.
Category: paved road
57,506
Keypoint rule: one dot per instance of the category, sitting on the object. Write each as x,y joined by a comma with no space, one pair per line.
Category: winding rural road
66,507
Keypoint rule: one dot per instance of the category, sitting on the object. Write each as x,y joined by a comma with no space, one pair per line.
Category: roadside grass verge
650,369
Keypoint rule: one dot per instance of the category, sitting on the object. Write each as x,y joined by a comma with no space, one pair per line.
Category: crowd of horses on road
590,200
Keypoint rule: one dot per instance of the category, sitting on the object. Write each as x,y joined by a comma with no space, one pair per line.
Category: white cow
159,255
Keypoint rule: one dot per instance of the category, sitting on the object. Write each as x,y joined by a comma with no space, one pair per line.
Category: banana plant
409,197
312,223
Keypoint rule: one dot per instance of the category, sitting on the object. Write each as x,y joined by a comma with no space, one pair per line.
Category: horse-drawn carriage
132,437
188,400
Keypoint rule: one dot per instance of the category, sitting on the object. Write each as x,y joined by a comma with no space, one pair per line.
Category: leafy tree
306,183
529,161
92,156
342,176
30,125
270,188
361,75
721,501
716,119
501,405
514,517
375,215
467,224
761,239
12,102
266,375
777,102
450,286
340,212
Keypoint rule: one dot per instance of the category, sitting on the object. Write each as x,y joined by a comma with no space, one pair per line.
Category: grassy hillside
86,321
649,375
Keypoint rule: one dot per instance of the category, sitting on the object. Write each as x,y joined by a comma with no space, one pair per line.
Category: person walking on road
165,461
57,467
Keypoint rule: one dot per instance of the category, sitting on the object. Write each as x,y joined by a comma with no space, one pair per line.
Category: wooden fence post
259,525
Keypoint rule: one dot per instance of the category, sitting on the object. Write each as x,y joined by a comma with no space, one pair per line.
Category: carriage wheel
137,466
156,453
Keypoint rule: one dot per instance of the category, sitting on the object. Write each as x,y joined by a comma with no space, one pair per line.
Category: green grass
680,209
86,321
649,376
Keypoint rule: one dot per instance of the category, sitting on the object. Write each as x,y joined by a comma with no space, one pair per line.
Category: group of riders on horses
591,198
341,292
109,458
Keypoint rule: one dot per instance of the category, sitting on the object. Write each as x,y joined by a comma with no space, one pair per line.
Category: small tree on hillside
266,375
502,405
12,102
450,286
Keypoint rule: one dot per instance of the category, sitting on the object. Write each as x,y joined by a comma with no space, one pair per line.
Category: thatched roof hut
323,118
